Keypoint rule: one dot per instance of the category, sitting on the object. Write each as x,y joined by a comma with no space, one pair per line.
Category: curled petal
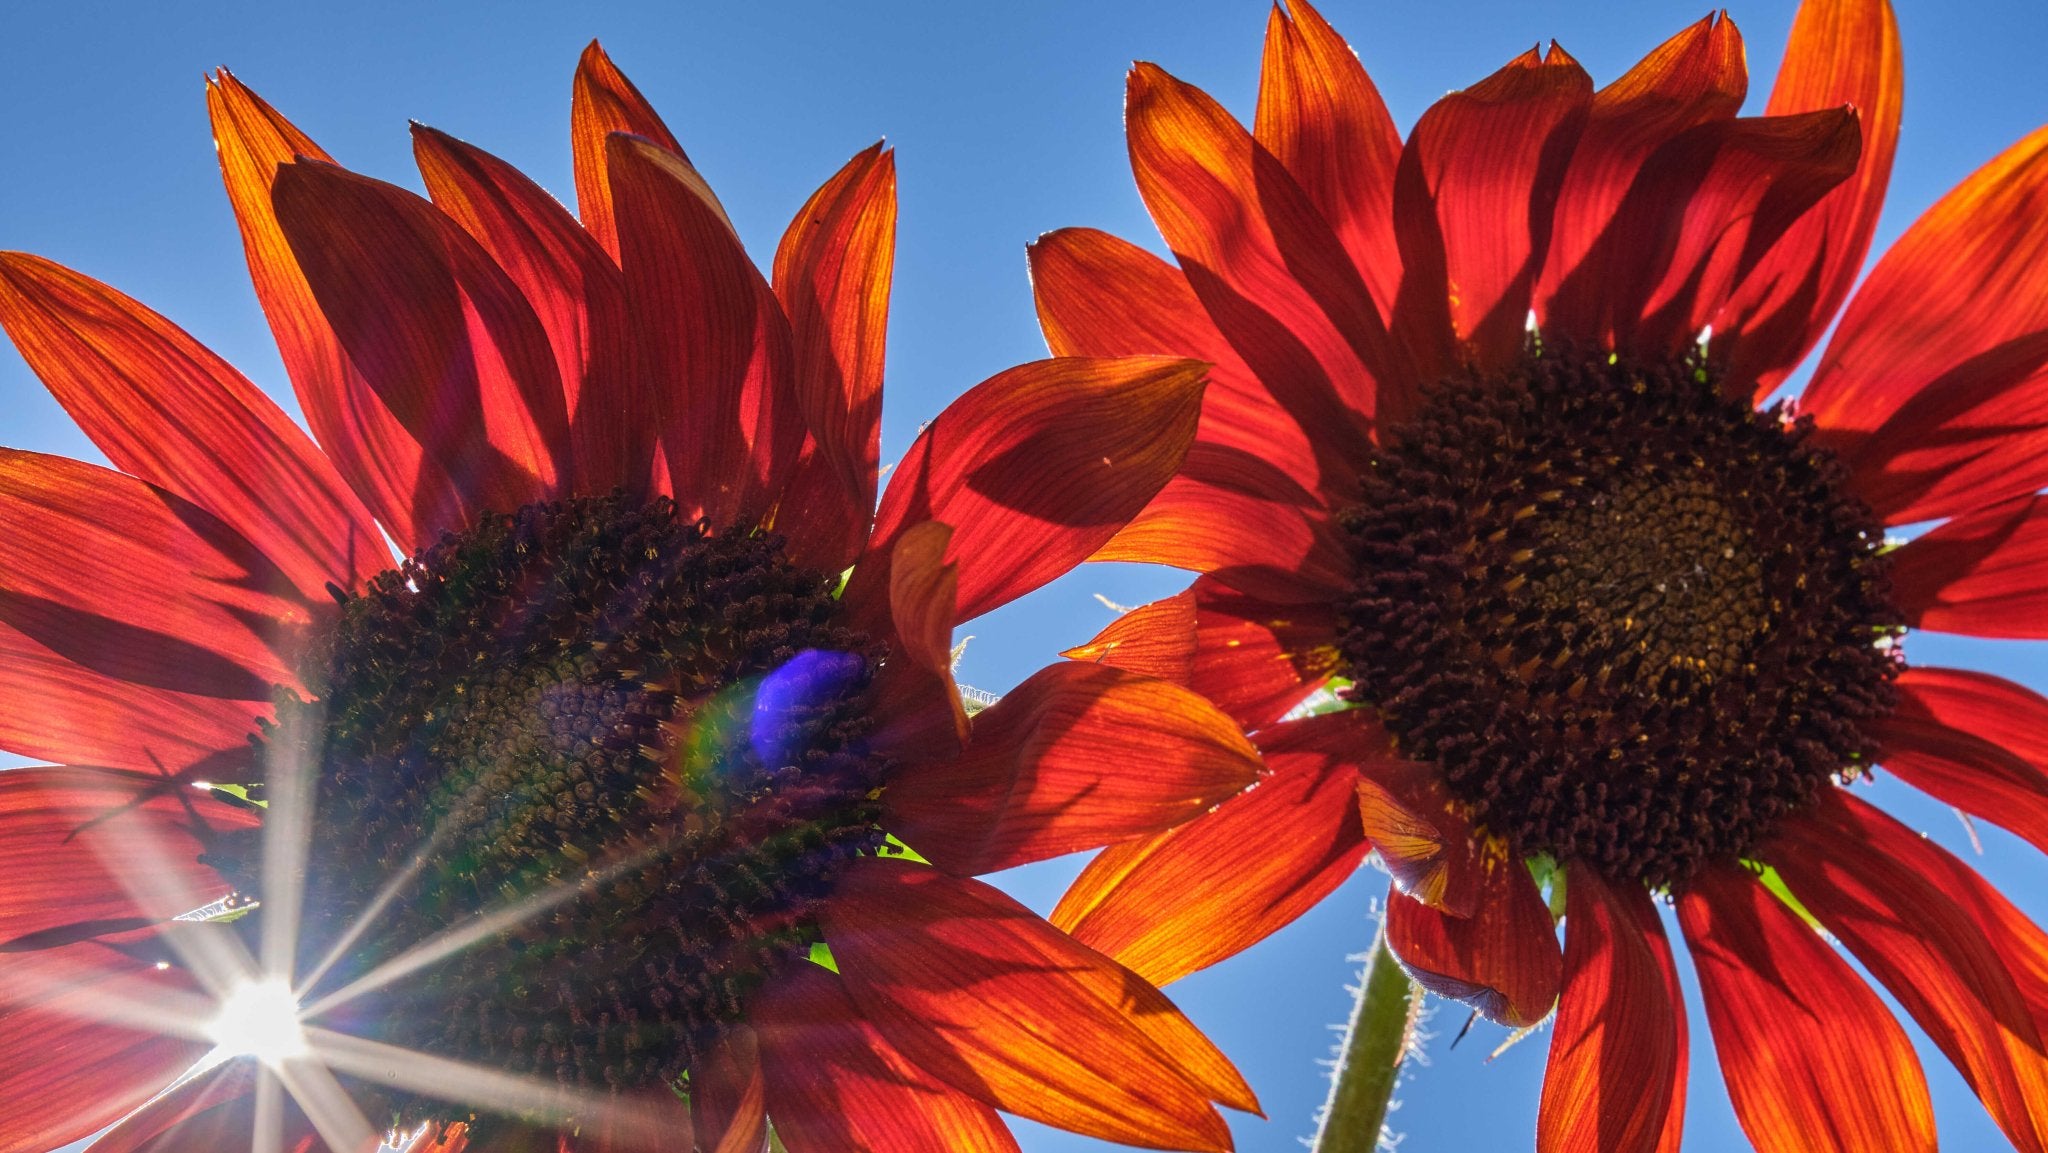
729,1096
1430,849
1503,960
1078,756
918,709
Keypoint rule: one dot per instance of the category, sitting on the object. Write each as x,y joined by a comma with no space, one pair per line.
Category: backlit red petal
832,274
1801,1039
224,1084
974,988
1694,77
164,408
1195,895
1934,388
1076,757
1975,742
604,102
1037,467
410,495
1503,960
1616,1076
1321,117
1424,842
1860,873
133,583
576,293
1474,199
918,711
706,323
729,1095
437,328
1984,573
1262,260
1254,659
835,1084
1842,52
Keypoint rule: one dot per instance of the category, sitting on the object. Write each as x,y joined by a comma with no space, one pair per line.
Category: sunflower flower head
634,806
1489,453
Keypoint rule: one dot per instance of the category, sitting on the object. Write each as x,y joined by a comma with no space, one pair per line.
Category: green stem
1374,1046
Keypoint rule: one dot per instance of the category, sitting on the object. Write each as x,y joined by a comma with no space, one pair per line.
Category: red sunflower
1487,451
591,806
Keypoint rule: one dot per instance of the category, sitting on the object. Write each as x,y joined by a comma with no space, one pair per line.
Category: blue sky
1007,119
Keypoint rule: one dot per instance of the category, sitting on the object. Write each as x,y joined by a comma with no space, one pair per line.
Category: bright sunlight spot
260,1019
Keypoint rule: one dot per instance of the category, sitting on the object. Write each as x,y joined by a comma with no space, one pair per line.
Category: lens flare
259,1019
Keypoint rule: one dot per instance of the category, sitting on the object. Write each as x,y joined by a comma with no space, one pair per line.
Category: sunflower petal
148,587
222,1085
832,274
1802,1040
164,408
1261,259
604,102
1254,659
1842,52
1934,389
974,988
1974,742
437,328
1076,757
1037,467
1213,887
1432,851
1859,872
1984,573
918,711
707,324
52,709
729,1095
1321,117
408,493
575,290
835,1084
1695,77
1473,202
1503,960
1616,1076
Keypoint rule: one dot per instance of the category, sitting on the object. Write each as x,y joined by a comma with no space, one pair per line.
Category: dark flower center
1633,622
649,733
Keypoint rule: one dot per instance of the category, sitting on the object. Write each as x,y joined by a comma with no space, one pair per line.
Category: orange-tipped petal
575,290
1863,875
1802,1040
1076,757
437,328
1210,889
729,1096
1616,1076
835,1084
164,408
52,709
1254,659
604,102
1934,389
918,711
1473,200
1984,573
1503,960
1037,467
1973,741
2022,943
1842,52
1320,115
974,988
1261,259
1710,200
408,493
1692,78
832,274
147,586
1429,848
708,326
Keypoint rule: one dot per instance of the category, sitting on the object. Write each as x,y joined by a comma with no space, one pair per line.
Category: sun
259,1019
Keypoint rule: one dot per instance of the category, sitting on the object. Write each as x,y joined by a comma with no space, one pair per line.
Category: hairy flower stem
1374,1046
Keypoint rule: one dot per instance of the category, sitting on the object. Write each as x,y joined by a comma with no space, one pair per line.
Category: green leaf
821,956
893,847
1776,884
